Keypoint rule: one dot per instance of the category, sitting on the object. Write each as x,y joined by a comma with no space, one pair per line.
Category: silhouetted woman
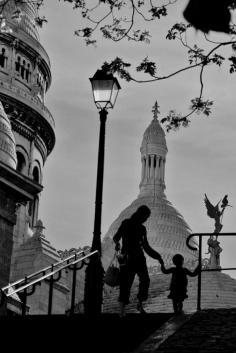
133,234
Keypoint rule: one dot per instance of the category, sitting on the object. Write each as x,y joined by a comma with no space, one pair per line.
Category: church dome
167,230
7,140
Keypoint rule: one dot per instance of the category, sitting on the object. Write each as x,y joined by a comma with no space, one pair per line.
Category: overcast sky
201,159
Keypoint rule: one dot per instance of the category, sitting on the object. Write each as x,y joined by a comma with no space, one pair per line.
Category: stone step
206,331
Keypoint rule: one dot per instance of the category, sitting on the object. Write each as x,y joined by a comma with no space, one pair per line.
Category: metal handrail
40,279
10,285
200,235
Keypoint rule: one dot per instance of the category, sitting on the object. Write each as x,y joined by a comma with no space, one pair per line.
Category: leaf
196,55
147,67
117,66
158,11
177,30
233,64
201,106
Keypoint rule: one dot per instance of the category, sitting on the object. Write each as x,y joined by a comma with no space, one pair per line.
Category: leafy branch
120,17
196,57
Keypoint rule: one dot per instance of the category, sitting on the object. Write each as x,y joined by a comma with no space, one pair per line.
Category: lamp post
105,90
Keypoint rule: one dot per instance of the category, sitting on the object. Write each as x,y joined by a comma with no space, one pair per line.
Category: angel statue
215,212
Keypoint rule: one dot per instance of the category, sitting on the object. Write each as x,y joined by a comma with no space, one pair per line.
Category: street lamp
105,90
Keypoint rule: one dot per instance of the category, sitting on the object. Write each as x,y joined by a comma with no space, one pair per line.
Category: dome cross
155,110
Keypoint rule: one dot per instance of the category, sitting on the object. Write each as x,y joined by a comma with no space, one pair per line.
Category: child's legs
175,305
180,306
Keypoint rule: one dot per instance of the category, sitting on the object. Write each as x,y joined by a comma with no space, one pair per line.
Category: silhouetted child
179,281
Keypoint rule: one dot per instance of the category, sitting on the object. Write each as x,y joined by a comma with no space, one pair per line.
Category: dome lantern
153,156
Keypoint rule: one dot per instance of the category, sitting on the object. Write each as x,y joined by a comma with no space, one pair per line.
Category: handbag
112,274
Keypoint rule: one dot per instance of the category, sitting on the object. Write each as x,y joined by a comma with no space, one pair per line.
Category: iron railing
26,286
201,235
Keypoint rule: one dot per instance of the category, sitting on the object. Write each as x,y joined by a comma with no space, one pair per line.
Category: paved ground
206,331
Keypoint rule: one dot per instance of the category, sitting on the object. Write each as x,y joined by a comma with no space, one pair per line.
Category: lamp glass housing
105,89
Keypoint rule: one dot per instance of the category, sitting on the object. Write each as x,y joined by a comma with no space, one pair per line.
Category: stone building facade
25,77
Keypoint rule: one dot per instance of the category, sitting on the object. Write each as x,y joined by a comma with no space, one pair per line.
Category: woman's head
142,214
178,260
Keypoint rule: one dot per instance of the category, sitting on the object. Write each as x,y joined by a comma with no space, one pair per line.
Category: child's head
178,260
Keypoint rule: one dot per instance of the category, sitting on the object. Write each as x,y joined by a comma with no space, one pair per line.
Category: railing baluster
72,307
24,299
199,284
50,293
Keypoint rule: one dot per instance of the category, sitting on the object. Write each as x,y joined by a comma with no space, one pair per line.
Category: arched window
34,205
3,58
21,163
28,72
18,63
22,71
36,174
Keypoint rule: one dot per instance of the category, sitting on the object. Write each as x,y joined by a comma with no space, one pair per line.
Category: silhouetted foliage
118,20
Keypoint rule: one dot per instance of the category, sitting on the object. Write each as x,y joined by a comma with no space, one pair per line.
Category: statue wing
211,210
224,201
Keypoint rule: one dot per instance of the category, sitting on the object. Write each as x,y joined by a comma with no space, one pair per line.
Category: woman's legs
144,282
127,274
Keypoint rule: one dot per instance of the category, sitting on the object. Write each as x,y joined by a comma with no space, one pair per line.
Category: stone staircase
206,331
218,291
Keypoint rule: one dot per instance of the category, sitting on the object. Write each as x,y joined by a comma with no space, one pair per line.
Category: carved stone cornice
29,122
26,98
22,130
66,253
14,183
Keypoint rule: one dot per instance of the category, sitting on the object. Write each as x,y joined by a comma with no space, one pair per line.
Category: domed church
166,228
167,232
